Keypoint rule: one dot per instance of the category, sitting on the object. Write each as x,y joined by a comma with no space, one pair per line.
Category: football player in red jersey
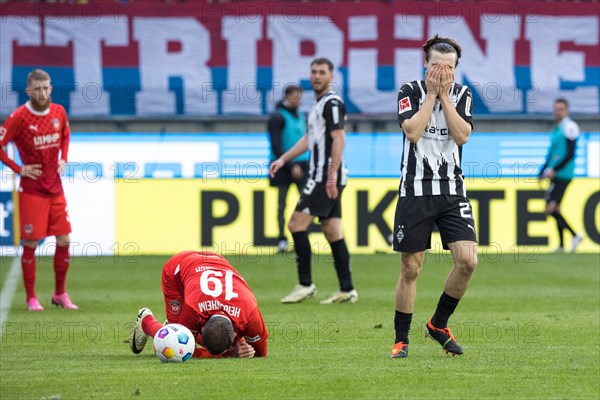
40,131
203,292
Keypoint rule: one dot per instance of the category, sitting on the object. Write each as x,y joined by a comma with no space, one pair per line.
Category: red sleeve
189,318
66,137
201,352
11,127
260,348
256,333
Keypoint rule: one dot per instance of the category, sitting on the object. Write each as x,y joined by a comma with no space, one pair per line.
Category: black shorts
556,191
283,177
314,201
415,216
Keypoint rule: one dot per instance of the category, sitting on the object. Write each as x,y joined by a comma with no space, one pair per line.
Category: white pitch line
8,292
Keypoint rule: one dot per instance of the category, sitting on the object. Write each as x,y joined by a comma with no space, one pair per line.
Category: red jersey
39,137
211,285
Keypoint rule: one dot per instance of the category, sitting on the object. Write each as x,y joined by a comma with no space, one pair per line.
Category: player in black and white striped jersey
433,166
435,115
321,196
326,116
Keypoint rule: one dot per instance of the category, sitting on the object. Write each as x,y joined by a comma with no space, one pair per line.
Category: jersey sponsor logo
435,129
2,133
404,105
46,140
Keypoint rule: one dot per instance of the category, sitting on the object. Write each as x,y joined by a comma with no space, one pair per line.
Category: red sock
150,325
28,267
61,266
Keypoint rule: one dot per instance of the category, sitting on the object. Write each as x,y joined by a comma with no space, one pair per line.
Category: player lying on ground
203,292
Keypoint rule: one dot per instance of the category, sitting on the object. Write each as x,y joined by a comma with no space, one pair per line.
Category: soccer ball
174,343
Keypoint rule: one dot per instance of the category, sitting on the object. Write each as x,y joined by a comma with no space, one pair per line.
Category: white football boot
137,338
576,240
300,293
342,297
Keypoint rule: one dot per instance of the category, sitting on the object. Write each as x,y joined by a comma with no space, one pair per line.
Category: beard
319,87
40,105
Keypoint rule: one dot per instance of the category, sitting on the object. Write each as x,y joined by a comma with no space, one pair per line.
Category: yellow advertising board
164,216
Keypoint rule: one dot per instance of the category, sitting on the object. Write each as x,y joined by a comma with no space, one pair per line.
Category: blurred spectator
560,169
286,126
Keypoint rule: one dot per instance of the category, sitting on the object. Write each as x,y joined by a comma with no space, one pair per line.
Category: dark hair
217,334
561,100
442,45
289,90
322,60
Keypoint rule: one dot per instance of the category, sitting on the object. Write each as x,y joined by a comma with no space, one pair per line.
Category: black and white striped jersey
325,116
432,165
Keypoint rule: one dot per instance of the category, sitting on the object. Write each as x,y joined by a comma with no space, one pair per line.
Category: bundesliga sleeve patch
404,105
252,339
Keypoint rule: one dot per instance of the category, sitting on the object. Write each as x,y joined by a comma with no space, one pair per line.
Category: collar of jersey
38,113
330,92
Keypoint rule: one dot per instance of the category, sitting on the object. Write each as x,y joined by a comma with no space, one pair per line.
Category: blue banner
246,155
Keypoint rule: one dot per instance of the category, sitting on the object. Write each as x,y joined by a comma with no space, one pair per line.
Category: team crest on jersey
175,306
56,123
400,233
404,105
28,229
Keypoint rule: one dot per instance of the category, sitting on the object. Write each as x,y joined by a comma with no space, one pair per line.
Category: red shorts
43,216
172,287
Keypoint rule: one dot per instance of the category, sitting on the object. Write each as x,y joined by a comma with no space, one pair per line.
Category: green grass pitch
529,325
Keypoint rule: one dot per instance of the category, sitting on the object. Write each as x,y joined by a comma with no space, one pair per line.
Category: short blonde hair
37,75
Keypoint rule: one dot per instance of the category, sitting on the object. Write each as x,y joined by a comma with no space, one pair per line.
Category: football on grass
174,343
